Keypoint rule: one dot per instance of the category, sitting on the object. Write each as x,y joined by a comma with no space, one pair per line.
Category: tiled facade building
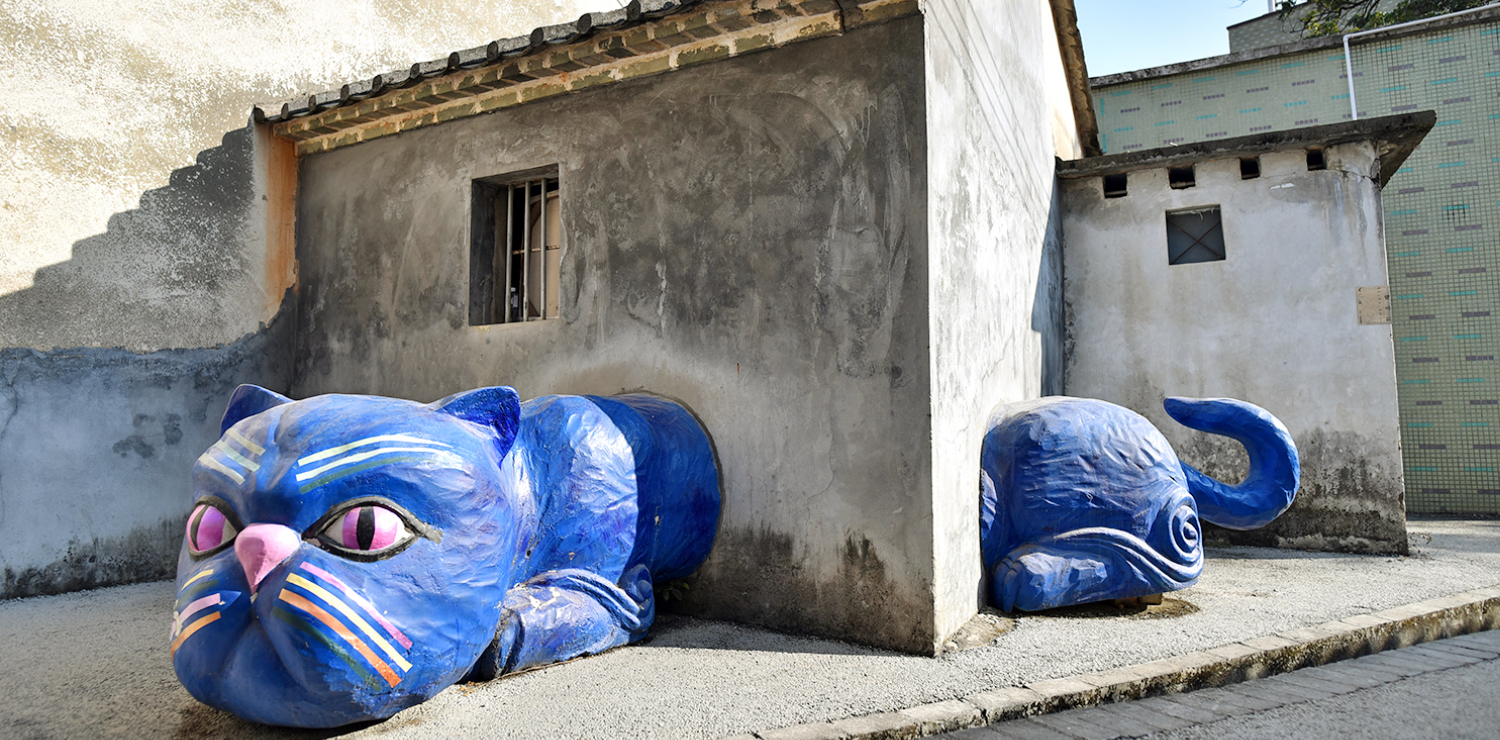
1442,209
1272,29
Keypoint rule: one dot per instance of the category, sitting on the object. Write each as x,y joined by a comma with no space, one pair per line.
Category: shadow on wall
1047,302
175,272
97,443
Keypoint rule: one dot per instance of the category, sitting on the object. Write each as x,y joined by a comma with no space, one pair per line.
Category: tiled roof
647,37
492,53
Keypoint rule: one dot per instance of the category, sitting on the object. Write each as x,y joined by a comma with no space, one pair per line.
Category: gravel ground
95,664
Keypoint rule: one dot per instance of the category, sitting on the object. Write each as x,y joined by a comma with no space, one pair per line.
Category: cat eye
209,529
367,530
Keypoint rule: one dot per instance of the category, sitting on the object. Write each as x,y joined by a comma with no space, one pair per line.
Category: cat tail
1275,471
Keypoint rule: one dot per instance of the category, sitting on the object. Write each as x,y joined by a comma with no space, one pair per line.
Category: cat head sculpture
346,556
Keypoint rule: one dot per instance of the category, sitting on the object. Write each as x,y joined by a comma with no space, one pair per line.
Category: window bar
510,225
526,257
542,248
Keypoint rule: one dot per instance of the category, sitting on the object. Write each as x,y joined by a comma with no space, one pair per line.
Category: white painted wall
1274,324
998,116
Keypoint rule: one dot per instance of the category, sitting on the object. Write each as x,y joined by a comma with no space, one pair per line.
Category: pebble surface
95,664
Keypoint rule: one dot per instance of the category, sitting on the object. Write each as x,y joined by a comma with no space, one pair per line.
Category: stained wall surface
748,237
1441,209
147,254
999,116
1275,323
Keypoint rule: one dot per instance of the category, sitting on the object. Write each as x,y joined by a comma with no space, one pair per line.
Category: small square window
515,247
1249,168
1315,160
1181,177
1195,235
1115,186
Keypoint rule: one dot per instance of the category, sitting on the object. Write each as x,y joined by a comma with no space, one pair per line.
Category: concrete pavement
95,664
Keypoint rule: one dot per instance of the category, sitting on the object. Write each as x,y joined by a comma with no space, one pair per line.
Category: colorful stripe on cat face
192,601
361,601
309,600
234,464
326,466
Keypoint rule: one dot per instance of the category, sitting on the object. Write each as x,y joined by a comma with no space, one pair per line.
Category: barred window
515,247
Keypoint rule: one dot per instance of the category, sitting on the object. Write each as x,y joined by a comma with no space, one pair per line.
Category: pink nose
262,547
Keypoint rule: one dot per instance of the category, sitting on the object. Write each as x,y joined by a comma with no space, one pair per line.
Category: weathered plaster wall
747,236
1275,324
95,449
137,285
95,455
999,114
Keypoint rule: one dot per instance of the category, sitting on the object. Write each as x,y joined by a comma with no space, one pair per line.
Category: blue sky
1125,35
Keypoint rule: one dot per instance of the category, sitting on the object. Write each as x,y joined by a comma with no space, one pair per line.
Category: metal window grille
1195,235
517,246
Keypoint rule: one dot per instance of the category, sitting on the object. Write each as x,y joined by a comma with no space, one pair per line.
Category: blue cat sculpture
1082,500
350,556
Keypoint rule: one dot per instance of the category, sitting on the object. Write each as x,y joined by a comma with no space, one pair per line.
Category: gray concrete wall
95,450
145,255
1275,324
749,237
999,115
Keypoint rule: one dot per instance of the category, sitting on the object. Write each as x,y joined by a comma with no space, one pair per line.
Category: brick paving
1178,711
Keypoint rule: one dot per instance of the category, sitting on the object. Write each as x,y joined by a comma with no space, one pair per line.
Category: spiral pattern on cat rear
1084,501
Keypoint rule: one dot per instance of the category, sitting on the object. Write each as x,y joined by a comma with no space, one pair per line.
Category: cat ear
247,401
497,407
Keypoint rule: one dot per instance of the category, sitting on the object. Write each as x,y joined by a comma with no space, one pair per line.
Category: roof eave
1395,137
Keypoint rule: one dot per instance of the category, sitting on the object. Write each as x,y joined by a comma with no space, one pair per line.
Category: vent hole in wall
1249,168
1181,177
1114,186
1315,160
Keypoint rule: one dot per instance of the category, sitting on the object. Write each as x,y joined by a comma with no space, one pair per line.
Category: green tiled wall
1442,214
1271,29
1267,30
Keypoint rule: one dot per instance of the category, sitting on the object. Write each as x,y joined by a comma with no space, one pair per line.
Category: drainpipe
1349,62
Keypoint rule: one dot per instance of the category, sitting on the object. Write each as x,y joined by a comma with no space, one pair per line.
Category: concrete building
1440,210
833,228
749,208
1251,268
754,206
1275,29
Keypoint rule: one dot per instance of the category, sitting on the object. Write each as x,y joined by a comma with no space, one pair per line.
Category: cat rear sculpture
1084,501
350,556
